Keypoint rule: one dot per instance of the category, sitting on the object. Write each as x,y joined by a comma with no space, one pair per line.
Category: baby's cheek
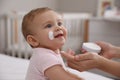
50,35
65,33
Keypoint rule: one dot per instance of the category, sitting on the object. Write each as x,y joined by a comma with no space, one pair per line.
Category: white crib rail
16,45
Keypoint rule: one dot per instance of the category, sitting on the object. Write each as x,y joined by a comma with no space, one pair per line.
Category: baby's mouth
59,35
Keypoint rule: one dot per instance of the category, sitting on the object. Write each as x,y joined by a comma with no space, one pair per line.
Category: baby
43,29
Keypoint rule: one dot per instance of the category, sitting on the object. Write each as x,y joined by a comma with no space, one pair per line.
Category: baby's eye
48,25
60,23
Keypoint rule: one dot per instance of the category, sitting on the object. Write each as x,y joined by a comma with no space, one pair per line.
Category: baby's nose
58,28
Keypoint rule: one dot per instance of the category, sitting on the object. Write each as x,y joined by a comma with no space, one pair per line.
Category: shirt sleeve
45,61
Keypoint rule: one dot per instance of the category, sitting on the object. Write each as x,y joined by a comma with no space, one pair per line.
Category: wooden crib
15,44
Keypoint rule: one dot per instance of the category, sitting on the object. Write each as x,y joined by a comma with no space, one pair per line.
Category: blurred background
86,21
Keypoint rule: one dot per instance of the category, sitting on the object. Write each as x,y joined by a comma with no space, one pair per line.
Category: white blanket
12,68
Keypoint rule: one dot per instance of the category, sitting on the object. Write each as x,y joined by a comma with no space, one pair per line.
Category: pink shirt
41,60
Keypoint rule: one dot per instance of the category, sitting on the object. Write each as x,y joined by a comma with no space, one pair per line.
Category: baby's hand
69,54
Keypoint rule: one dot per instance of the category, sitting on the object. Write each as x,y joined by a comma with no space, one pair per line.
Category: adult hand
108,50
82,62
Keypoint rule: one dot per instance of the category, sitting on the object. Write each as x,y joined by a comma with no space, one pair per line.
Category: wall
89,6
105,30
117,3
25,5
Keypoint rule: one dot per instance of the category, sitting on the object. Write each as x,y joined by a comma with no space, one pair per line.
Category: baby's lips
58,35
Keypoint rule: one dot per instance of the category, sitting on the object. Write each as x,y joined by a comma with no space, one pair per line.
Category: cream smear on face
50,35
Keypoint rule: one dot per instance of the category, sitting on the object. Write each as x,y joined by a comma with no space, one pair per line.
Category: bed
12,68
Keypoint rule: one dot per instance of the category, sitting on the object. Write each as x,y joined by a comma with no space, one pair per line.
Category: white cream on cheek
50,35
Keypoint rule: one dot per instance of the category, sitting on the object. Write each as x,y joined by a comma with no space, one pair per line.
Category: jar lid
91,47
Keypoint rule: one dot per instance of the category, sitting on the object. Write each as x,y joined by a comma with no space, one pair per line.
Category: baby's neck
57,51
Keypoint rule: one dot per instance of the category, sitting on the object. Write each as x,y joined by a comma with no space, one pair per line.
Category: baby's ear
32,41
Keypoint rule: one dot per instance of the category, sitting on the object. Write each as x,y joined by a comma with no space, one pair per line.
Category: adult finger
86,56
102,44
83,65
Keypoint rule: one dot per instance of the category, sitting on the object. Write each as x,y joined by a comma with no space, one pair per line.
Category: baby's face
49,30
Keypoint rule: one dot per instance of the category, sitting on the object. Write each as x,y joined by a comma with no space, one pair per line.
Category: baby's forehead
50,13
47,16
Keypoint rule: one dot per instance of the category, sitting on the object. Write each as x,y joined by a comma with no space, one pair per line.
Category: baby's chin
63,42
61,45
